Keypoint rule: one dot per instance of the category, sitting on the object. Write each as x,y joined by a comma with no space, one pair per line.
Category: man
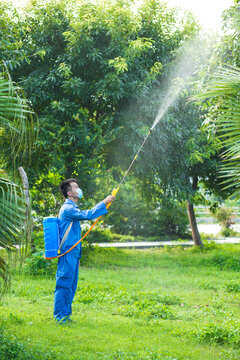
68,265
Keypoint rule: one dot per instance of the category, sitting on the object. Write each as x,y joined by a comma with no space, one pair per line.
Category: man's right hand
109,199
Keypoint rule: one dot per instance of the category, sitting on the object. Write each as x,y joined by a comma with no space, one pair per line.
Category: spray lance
114,193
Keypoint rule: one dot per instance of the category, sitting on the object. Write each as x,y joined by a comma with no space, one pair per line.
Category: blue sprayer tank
51,236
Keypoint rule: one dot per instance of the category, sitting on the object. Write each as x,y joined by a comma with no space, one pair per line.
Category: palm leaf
4,276
223,91
13,219
16,123
15,115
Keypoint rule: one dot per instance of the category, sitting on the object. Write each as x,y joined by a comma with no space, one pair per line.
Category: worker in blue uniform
68,265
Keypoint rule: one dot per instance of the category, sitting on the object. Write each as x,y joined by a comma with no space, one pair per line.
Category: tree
133,215
96,59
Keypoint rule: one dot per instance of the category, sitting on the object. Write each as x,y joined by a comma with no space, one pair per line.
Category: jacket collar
68,201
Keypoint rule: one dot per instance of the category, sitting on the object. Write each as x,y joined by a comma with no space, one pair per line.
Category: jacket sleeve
72,213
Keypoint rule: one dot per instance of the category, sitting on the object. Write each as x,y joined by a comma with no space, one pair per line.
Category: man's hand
109,199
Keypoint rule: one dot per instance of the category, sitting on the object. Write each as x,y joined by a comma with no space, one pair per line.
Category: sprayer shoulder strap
65,235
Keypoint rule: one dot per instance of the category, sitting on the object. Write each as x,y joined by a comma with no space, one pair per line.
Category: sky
208,12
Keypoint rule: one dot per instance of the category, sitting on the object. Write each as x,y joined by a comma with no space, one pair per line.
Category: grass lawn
172,303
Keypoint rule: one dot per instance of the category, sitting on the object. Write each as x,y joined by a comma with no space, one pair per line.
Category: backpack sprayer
50,225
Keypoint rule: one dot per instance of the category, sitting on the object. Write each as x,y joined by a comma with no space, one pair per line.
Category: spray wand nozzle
114,193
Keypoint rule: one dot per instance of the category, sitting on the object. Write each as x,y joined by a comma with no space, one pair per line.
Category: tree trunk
192,218
27,197
193,223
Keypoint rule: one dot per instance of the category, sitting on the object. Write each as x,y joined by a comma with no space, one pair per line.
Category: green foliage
37,239
227,334
15,348
233,286
11,49
132,215
227,232
49,199
208,245
229,51
145,305
37,265
16,121
17,127
144,281
87,64
213,257
207,285
130,355
99,235
224,215
225,261
222,92
148,311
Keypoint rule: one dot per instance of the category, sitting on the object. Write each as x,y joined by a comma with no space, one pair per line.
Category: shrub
215,334
37,265
99,235
206,285
133,216
224,216
208,246
226,232
147,311
232,286
225,261
38,240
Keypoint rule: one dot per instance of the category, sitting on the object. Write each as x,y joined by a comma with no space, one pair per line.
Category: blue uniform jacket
71,212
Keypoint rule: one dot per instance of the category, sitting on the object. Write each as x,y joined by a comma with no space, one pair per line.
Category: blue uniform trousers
68,265
66,286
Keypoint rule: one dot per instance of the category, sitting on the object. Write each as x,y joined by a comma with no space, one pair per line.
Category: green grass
172,303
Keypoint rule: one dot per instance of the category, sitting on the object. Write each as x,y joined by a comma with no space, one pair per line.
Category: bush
37,238
146,310
37,265
226,232
215,334
232,286
207,285
133,216
225,261
224,216
99,235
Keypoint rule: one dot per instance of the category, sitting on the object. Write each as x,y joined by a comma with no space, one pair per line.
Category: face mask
79,193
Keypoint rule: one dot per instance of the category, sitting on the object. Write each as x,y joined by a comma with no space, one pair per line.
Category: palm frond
223,91
4,276
16,124
13,219
15,114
